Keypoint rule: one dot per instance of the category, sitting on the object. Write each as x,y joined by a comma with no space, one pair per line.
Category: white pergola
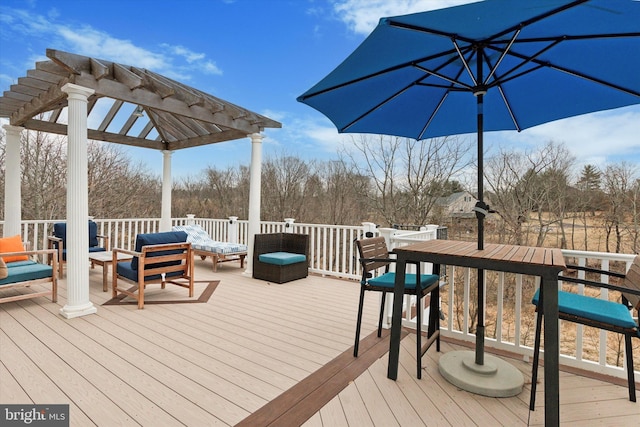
134,107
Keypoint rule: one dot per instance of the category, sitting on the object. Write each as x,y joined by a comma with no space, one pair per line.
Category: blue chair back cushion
60,231
591,308
158,239
387,280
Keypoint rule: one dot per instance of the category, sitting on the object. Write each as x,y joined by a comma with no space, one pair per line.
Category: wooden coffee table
104,259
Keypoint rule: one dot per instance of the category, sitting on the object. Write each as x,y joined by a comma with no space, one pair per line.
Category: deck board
219,362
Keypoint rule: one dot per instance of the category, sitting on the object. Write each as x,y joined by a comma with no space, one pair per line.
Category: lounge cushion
592,308
158,239
281,258
12,244
388,280
201,240
25,271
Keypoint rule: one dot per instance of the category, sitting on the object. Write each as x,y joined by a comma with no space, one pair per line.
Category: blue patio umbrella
486,66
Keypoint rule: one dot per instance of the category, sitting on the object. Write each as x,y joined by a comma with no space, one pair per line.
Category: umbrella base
496,378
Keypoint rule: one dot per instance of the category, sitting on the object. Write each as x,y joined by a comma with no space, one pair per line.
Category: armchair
59,241
281,257
22,270
158,258
598,313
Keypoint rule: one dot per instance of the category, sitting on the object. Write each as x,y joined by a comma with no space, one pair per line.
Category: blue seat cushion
126,270
91,249
281,258
23,271
158,239
592,308
19,263
388,280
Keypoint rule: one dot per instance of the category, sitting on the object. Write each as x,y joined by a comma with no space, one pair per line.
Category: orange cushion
12,244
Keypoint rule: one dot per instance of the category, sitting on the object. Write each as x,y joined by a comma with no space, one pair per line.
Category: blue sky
261,55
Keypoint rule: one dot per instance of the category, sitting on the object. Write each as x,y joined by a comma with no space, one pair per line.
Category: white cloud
95,43
593,138
172,60
189,55
210,67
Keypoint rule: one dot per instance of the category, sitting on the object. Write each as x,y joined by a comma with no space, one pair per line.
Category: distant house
457,205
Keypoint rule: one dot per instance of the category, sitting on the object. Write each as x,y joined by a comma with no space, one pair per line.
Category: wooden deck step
302,401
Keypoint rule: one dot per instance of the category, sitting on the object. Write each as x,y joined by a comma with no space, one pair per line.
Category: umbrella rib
511,29
443,77
541,64
464,61
433,114
354,121
508,105
580,37
594,79
502,56
411,63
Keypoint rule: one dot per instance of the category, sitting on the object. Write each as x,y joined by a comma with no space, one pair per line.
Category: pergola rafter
181,115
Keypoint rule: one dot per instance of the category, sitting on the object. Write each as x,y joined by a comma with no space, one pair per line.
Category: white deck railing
510,318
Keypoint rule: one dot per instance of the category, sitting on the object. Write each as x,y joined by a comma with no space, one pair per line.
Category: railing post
190,219
233,229
369,229
288,225
388,234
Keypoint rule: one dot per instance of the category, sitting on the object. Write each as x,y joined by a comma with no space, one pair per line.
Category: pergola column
78,303
167,183
12,182
254,197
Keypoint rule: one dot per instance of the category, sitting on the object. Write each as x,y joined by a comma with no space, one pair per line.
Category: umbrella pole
480,326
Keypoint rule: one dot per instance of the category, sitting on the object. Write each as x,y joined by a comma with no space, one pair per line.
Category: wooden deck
254,352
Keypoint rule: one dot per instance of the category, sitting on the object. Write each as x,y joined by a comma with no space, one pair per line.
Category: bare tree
590,199
116,187
407,176
344,199
526,183
619,183
44,175
284,181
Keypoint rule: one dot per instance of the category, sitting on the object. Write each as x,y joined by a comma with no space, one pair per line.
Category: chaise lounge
204,246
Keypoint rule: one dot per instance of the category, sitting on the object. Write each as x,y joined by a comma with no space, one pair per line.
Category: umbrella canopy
534,62
492,65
